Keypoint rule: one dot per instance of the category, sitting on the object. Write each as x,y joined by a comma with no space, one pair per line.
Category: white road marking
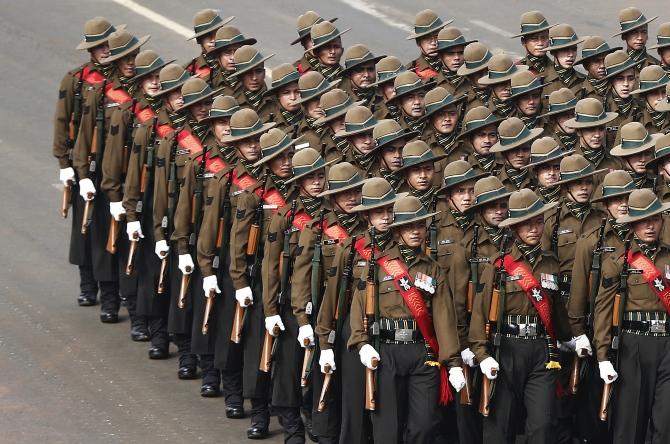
492,28
58,186
156,17
369,9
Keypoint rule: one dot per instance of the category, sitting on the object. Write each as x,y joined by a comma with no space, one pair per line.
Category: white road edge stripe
492,28
369,9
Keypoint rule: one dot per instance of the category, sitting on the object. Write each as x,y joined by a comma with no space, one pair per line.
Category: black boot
160,341
109,302
231,382
211,377
188,362
139,330
260,419
88,287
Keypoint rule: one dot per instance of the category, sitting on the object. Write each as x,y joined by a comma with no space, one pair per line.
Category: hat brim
248,41
465,133
84,45
141,41
583,176
422,86
479,206
646,90
605,52
486,80
152,70
617,194
206,31
161,94
339,34
265,159
388,79
534,134
414,36
405,136
466,43
214,92
346,133
274,89
465,71
523,34
609,116
308,172
266,127
413,220
627,219
330,192
361,207
517,220
374,60
636,26
404,168
340,113
455,101
657,46
553,113
663,106
552,159
631,65
565,45
249,68
540,86
299,39
619,152
330,86
476,177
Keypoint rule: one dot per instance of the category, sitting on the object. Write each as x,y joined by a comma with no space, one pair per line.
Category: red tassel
560,390
445,392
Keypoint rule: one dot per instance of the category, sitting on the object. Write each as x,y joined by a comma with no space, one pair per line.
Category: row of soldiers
346,246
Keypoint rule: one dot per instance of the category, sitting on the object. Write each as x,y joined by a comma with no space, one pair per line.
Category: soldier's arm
548,231
444,320
112,162
301,289
82,146
271,273
243,218
602,325
325,321
209,228
480,310
579,288
161,186
131,187
64,109
359,337
458,286
182,215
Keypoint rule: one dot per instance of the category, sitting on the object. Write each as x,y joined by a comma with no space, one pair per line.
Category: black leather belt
527,331
406,335
651,326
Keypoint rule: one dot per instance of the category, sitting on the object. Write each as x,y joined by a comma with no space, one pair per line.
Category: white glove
567,346
186,261
607,372
488,365
210,283
134,227
85,187
161,249
116,210
271,321
327,357
366,353
456,378
582,343
244,297
305,332
468,357
66,176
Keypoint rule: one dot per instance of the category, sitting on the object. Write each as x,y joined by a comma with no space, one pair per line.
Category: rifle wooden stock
306,360
130,267
471,292
321,406
144,177
193,210
94,141
370,395
493,308
604,402
111,235
208,310
573,384
238,322
67,197
219,233
266,353
183,289
615,310
485,400
252,241
161,276
87,214
466,396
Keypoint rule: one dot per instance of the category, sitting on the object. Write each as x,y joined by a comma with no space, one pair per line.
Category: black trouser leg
158,331
260,413
468,419
291,422
232,387
210,374
87,283
186,358
110,302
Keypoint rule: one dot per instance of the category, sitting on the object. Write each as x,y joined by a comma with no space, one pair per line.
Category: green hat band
544,157
521,89
412,160
626,26
239,132
662,152
458,178
337,108
493,74
618,189
619,67
560,107
480,123
168,84
195,96
473,64
92,38
255,60
653,207
651,84
305,169
520,212
141,70
431,107
292,76
368,124
418,29
573,175
628,144
304,32
490,196
663,40
204,26
400,217
402,89
357,61
533,27
217,113
273,149
231,41
308,93
385,76
326,37
603,47
444,44
335,185
557,41
508,140
116,51
386,138
589,118
367,201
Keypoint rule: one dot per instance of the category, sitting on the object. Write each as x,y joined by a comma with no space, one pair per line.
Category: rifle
161,276
97,149
371,312
128,142
73,130
131,253
208,309
496,313
344,291
620,300
554,231
432,233
67,199
196,202
321,406
147,175
285,260
474,267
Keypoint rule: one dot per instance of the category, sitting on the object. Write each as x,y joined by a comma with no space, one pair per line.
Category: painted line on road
156,17
492,28
371,10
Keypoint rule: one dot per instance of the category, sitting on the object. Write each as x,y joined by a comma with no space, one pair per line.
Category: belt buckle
657,326
526,330
403,334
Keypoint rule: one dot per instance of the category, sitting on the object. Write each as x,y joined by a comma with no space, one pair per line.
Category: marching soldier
594,50
479,133
635,150
409,96
450,47
427,25
327,49
414,329
631,325
661,164
561,108
518,307
526,97
418,168
250,71
335,105
359,75
390,139
663,45
501,68
205,24
69,110
100,102
535,40
359,123
545,161
621,75
305,21
227,40
653,82
388,68
312,86
475,67
634,30
563,43
285,94
514,140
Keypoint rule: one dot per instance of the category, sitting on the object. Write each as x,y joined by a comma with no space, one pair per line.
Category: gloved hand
456,378
366,353
327,357
271,321
132,228
186,261
567,346
468,357
582,343
244,297
210,283
116,210
305,332
66,176
86,187
161,249
607,372
488,366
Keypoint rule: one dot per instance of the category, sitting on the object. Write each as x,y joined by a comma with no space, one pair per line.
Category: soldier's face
428,44
281,164
502,90
452,58
387,90
530,231
664,54
638,162
221,128
254,79
226,57
126,64
518,157
330,53
249,148
392,155
580,190
617,206
624,83
347,200
529,104
99,52
462,196
420,177
596,67
151,84
445,120
654,96
174,100
647,230
535,44
548,174
413,235
664,168
495,212
313,108
560,120
637,38
314,183
200,110
566,57
592,137
414,104
474,78
483,139
288,97
207,41
364,142
363,75
336,125
381,218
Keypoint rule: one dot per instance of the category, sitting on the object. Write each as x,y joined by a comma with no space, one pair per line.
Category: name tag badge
361,263
513,278
164,222
208,175
308,308
387,278
270,207
237,193
330,241
138,208
181,152
215,262
445,241
564,231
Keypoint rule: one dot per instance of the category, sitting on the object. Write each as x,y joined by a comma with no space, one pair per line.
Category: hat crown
376,187
224,103
511,127
562,31
281,72
532,18
204,17
355,52
523,78
194,85
523,200
633,131
475,52
593,42
310,80
487,185
386,127
436,95
409,204
456,168
342,172
333,98
450,34
389,64
227,32
543,146
652,73
245,54
616,58
589,107
357,115
475,114
416,148
618,179
640,200
425,18
307,20
119,39
305,157
146,58
664,30
272,138
406,78
244,118
574,163
561,96
500,62
322,29
171,72
662,143
629,14
97,28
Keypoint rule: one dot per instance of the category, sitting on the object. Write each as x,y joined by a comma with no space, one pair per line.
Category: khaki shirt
528,182
198,67
266,110
456,152
576,84
645,119
590,92
460,88
449,233
614,127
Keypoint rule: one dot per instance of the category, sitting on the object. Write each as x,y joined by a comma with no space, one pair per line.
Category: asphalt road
65,377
